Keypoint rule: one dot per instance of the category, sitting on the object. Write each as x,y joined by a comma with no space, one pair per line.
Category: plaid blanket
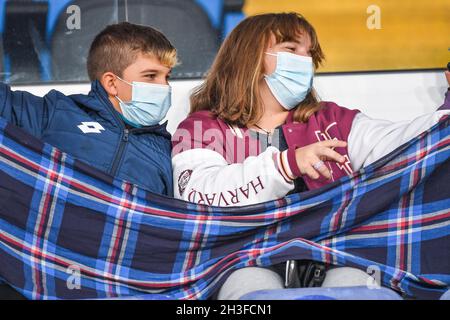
69,231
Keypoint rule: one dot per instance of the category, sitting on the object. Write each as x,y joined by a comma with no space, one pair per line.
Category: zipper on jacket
118,158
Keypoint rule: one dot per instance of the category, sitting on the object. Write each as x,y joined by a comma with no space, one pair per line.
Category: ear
108,81
271,42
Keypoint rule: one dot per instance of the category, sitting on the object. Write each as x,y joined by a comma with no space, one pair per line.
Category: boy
115,128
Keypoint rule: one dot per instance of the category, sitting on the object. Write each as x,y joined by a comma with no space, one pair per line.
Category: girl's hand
309,158
447,75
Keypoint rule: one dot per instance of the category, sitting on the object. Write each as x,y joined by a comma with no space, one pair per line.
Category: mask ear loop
123,80
117,97
271,54
120,100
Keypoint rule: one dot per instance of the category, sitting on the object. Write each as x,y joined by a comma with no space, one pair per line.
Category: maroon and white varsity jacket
222,165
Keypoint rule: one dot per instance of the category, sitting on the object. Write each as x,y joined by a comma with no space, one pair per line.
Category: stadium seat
70,48
3,76
342,293
25,51
224,14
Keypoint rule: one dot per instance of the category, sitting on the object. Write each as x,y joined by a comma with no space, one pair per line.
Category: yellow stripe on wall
414,34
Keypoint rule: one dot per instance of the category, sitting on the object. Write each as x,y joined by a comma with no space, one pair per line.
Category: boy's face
145,68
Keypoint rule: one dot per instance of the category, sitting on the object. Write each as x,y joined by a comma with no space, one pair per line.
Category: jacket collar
159,129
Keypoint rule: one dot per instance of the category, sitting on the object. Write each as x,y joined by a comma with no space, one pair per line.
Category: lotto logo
91,127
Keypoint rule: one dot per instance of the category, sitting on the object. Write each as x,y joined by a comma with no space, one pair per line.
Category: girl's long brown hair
231,89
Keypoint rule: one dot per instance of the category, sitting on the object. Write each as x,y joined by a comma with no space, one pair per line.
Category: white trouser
251,279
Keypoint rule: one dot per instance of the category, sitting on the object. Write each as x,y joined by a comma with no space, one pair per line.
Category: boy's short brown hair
118,45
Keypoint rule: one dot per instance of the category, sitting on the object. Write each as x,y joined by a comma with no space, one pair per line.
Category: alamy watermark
374,281
373,21
74,280
73,21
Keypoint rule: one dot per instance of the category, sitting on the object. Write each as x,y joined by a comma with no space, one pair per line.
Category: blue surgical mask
149,103
292,79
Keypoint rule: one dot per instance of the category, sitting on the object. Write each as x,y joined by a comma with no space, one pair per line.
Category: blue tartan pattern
59,216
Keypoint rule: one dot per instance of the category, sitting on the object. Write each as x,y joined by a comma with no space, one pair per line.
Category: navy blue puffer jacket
90,129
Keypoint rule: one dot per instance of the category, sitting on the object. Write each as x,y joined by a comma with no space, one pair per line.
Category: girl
257,132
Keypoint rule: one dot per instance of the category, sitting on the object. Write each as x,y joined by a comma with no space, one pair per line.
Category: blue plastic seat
342,293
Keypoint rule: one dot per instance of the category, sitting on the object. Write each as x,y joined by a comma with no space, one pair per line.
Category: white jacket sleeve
203,176
371,139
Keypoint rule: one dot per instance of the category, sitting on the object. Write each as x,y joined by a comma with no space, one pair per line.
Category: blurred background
412,34
48,40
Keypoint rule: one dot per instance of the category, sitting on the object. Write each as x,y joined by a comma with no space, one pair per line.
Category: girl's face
301,46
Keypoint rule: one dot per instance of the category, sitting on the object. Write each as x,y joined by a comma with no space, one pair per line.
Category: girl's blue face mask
292,79
149,103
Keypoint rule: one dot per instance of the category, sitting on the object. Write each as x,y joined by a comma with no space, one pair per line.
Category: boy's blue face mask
149,103
292,79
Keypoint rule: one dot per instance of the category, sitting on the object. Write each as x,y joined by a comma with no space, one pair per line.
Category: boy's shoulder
91,100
